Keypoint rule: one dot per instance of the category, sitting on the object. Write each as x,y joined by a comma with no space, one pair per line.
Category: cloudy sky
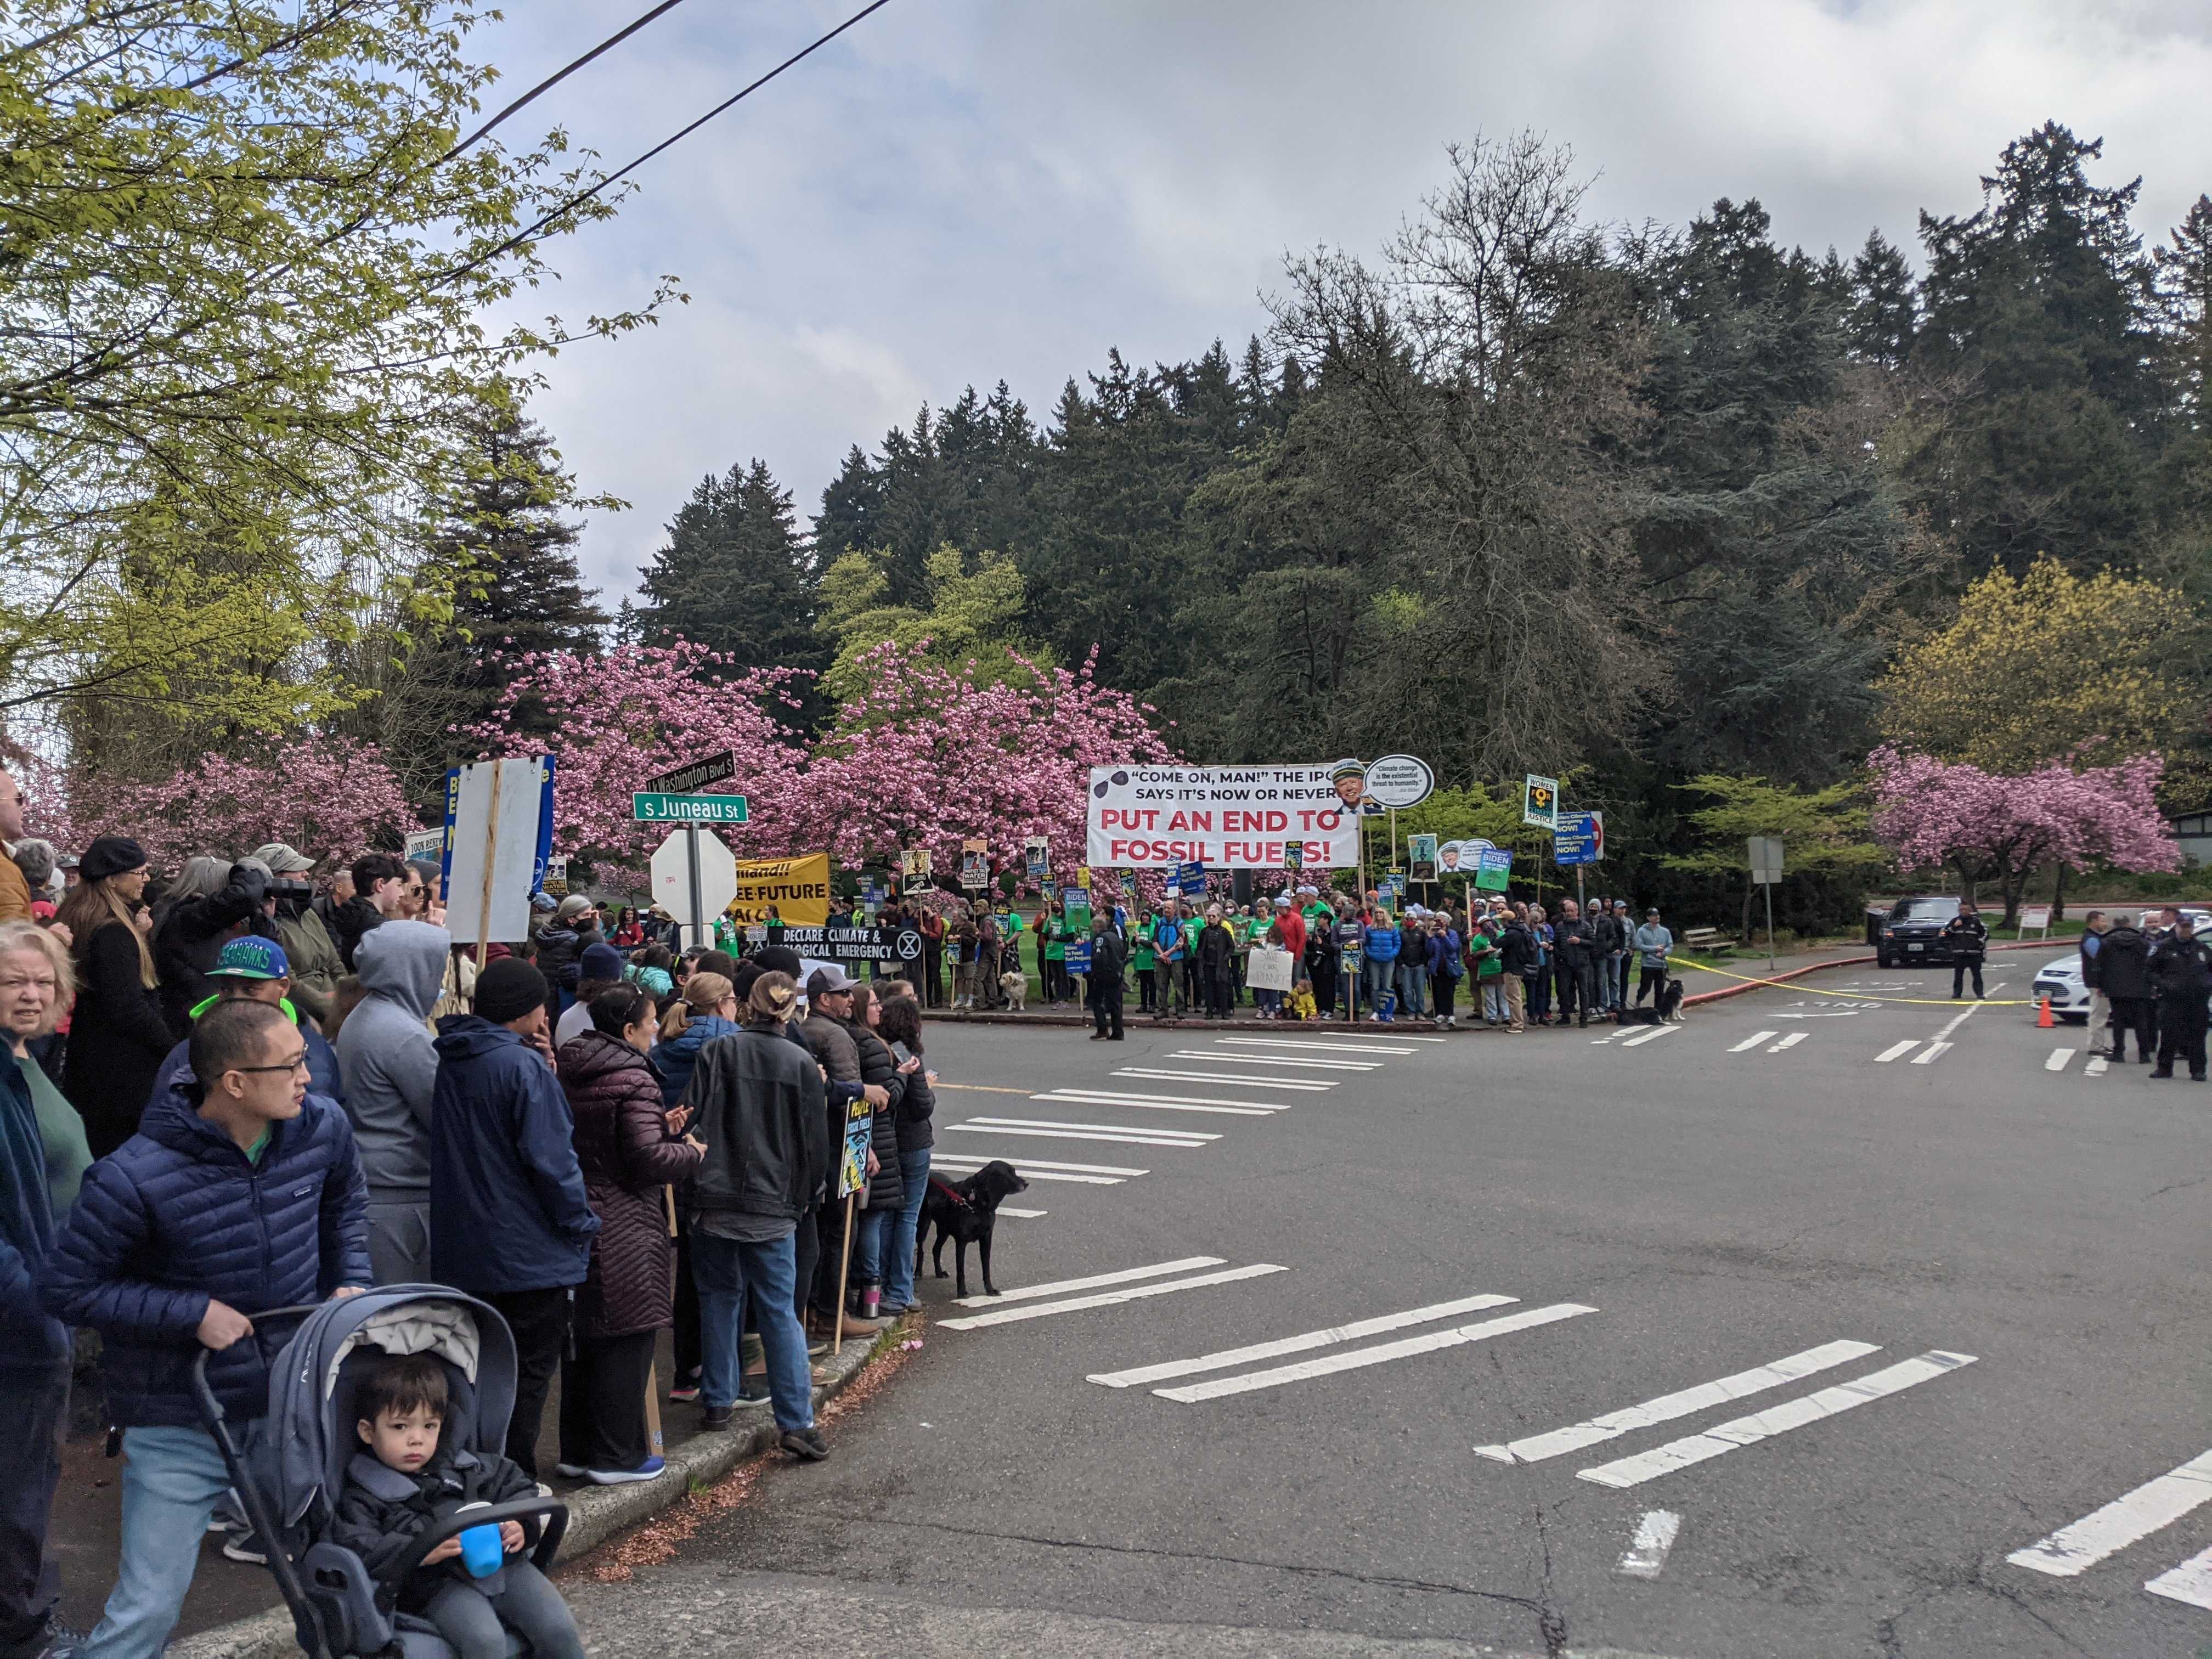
963,191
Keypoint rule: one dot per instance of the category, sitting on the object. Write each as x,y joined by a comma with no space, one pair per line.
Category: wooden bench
1706,939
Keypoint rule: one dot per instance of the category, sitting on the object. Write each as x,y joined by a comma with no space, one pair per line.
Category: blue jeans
906,1222
1493,1001
1412,982
722,1267
871,1231
172,1480
1375,979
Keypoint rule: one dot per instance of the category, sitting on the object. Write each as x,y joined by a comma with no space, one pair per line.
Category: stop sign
671,881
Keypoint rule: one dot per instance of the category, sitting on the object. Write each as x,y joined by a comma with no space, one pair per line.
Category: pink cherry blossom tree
329,797
1993,828
637,710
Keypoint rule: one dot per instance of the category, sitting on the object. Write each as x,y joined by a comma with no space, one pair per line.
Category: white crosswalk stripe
1025,1215
1096,1281
1328,1364
1242,1058
1790,1041
1299,1344
1753,1041
2073,1550
1646,1037
2059,1059
1668,1407
1043,1129
1655,1536
1931,1054
2097,1066
1308,1085
1086,1175
2191,1582
1165,1102
1108,1298
1306,1043
1741,1432
1897,1051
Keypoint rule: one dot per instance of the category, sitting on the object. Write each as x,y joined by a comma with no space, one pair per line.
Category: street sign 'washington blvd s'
657,808
696,775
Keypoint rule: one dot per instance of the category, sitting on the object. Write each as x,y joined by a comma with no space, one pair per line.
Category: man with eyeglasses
257,970
240,1192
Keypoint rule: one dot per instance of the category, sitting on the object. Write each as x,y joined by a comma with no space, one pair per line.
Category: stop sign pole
688,812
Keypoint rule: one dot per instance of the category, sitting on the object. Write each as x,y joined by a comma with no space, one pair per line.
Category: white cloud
957,192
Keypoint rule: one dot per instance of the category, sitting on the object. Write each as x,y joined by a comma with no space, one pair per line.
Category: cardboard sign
1493,867
1225,817
853,1164
1398,781
1268,968
1539,801
974,865
1421,854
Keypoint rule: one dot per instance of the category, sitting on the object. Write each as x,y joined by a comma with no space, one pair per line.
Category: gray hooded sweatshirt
385,1057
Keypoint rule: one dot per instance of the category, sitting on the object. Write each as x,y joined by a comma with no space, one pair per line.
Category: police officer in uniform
2181,968
1969,941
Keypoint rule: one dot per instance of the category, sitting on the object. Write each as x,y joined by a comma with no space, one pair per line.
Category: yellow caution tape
1851,996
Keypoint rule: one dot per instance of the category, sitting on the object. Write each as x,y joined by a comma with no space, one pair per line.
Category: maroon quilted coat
628,1156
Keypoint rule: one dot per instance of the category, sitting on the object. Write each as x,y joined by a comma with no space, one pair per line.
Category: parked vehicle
1914,931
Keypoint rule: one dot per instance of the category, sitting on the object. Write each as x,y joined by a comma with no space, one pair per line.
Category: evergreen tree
1885,307
509,553
736,575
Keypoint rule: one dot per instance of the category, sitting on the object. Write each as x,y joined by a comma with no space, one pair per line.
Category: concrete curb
596,1514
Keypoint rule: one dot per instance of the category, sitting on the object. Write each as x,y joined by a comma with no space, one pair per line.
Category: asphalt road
1785,1173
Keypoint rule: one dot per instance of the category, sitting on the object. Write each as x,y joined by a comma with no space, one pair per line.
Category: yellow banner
799,889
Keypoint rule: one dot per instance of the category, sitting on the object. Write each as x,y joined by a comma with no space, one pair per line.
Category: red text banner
1227,817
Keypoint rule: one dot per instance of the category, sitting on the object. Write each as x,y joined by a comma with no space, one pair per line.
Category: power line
552,80
582,196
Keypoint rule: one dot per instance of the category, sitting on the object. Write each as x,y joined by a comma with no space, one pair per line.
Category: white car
2060,979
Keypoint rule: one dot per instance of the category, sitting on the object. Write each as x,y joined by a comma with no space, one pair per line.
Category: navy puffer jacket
177,1217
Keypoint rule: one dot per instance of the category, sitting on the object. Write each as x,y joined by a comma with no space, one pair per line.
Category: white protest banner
495,851
1268,969
1225,817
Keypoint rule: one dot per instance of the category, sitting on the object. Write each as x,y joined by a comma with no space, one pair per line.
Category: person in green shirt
1192,925
1052,936
1143,957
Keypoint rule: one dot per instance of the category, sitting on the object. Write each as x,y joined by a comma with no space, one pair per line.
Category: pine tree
1884,306
736,575
516,586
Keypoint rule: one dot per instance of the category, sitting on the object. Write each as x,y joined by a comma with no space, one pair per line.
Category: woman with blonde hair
118,1037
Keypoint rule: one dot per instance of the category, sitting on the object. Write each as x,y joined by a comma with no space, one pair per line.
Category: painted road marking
1655,1536
1932,1053
2097,1065
1098,1281
1158,1103
1668,1406
1358,1328
1608,1036
2191,1582
1038,1129
1277,1060
1026,1215
1303,1044
2125,1521
1198,1136
1753,1041
1742,1431
1646,1037
1086,1175
2059,1059
1328,1364
1306,1085
1790,1041
1897,1049
1108,1298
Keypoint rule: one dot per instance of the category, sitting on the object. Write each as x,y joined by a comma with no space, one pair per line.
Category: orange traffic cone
2043,1020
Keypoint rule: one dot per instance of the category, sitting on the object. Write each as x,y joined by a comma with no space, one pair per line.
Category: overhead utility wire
579,199
552,80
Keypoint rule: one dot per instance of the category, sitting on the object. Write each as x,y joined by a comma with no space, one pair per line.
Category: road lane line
1932,1053
1307,1085
1608,1036
1790,1041
1741,1432
2059,1059
2126,1520
1301,1044
1041,1128
1328,1364
1646,1037
1647,1551
1098,1281
969,1165
1108,1298
1668,1407
1276,1059
1299,1344
2097,1066
1972,1008
1102,1097
1896,1049
2191,1582
1753,1041
979,1159
1026,1215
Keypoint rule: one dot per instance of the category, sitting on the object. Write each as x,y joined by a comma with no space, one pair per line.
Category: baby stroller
290,1488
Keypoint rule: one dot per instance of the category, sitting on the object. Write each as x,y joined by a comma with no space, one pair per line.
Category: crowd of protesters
258,1082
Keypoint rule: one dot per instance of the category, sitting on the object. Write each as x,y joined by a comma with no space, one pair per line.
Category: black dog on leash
965,1212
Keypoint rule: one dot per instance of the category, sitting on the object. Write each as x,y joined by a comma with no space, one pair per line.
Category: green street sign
688,809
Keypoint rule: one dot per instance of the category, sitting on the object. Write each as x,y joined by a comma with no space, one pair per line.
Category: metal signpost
1767,870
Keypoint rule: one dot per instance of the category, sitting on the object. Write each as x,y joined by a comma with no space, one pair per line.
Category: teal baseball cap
252,957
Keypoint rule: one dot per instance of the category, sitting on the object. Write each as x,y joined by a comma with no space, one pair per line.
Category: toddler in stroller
386,1414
